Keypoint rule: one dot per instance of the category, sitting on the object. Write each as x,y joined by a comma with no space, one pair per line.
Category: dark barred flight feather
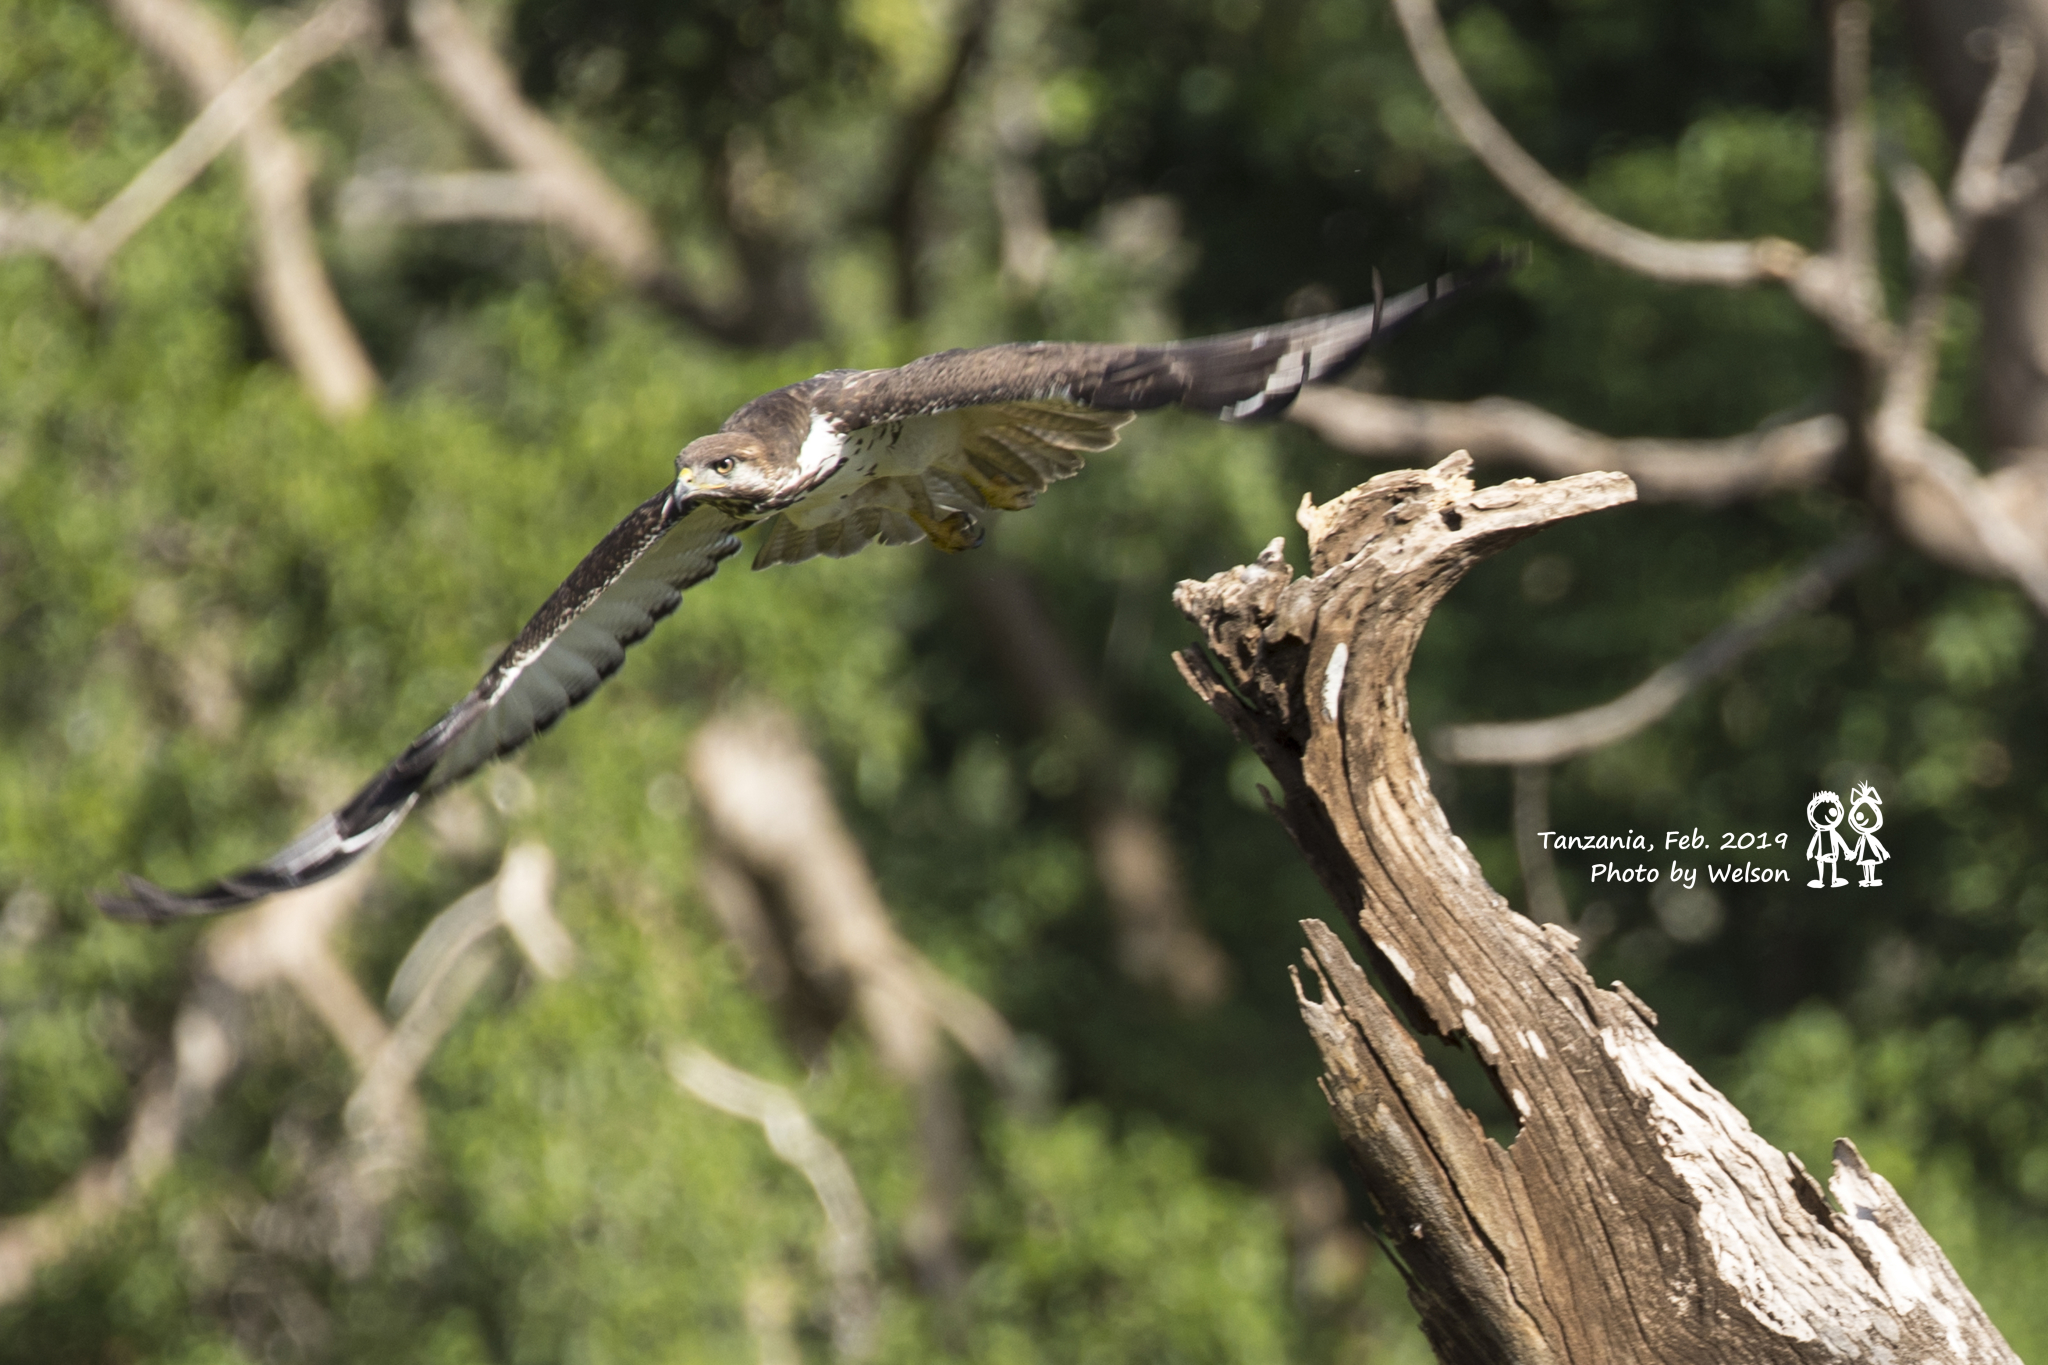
831,464
1237,376
578,638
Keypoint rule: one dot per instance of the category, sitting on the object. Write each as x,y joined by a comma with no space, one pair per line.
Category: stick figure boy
1866,817
1827,843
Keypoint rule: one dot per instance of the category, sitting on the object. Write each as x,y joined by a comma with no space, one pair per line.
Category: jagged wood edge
1637,1216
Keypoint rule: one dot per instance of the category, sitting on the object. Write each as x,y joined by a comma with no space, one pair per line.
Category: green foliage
218,613
1121,1251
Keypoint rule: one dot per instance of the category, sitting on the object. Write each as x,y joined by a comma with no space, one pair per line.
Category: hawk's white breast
888,451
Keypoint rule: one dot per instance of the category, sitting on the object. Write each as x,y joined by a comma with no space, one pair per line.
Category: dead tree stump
1636,1217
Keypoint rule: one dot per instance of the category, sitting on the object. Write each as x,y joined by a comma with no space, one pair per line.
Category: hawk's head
730,464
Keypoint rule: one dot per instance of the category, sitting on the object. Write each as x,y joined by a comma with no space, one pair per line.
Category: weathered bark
1636,1217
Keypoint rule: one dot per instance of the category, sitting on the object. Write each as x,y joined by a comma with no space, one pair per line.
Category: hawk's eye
725,466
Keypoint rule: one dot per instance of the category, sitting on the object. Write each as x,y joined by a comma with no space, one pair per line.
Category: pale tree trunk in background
1160,942
2010,264
795,893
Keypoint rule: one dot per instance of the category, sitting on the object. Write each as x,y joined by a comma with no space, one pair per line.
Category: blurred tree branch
287,941
801,904
1532,747
1018,133
47,230
1775,459
1558,208
919,136
1636,1215
848,1250
557,179
284,939
400,197
176,1094
1923,486
438,977
1562,737
2010,259
83,249
293,294
557,182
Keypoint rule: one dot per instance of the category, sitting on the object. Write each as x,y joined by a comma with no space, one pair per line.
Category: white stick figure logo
1866,817
1824,813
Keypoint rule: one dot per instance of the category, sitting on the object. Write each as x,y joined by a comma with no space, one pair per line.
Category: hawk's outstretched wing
1237,376
891,455
994,427
575,641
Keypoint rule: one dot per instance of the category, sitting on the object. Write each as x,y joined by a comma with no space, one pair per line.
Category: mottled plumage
826,466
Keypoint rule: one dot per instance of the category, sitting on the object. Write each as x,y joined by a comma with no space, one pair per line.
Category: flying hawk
824,467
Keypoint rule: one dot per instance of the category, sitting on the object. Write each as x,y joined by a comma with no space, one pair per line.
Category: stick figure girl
1866,817
1827,843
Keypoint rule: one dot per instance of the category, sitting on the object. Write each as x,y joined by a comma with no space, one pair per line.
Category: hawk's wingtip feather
148,903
